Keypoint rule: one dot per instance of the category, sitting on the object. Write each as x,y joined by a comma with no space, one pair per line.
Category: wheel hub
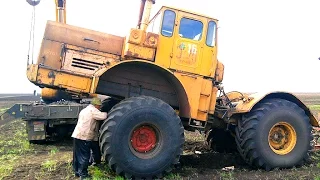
282,138
143,139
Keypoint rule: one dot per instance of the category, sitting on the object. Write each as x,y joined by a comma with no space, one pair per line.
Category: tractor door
188,43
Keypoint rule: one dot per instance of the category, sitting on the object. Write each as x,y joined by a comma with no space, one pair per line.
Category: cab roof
190,12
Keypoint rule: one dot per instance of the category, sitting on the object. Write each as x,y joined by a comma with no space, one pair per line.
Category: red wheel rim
143,139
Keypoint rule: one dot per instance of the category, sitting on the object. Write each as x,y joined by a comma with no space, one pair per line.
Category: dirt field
21,160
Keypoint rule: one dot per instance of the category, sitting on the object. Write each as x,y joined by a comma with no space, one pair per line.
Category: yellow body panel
213,100
199,94
164,51
32,71
137,51
51,78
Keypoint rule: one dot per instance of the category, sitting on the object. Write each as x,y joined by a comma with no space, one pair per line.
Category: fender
248,103
184,106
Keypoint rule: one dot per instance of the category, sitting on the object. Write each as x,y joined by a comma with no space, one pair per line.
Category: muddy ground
21,160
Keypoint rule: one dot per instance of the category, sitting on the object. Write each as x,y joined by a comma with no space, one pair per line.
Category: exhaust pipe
61,11
143,2
144,15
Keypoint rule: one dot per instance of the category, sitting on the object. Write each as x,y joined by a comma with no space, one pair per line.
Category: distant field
8,100
309,98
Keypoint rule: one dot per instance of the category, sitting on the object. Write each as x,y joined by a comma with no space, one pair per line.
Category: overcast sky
265,45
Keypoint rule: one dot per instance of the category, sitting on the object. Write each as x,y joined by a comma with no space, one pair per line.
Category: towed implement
165,78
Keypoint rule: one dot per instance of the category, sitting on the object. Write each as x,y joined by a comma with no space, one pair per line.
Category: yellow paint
199,94
282,138
48,93
213,100
50,54
219,72
187,55
136,36
32,71
93,52
204,100
64,80
138,52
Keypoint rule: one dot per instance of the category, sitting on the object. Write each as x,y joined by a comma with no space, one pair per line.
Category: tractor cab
187,41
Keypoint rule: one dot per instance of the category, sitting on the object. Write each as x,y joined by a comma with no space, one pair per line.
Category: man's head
96,102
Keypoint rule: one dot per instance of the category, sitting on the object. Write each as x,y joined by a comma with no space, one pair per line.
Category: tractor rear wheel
142,138
275,134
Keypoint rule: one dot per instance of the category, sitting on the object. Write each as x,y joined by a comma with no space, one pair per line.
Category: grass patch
2,110
103,172
226,175
13,144
173,176
53,151
314,107
69,171
97,173
49,165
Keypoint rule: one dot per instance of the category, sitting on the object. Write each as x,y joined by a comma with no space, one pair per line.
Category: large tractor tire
275,134
142,138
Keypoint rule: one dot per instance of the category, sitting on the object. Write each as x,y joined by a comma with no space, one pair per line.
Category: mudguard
247,103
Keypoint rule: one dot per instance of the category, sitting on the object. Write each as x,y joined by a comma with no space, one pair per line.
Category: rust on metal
138,52
152,40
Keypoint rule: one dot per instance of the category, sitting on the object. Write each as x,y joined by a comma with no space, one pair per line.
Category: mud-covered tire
151,117
259,135
221,140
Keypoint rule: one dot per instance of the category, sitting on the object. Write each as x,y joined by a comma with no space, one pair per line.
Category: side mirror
33,2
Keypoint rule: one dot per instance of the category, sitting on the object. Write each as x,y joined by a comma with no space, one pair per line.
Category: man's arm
98,115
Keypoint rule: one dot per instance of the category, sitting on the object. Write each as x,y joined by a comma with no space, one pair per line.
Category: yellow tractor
165,78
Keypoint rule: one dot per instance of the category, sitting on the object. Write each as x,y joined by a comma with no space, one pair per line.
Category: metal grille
85,64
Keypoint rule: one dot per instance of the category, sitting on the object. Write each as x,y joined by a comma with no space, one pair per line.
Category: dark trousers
81,156
95,153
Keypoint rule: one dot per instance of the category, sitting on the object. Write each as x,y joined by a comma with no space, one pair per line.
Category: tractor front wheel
275,134
142,138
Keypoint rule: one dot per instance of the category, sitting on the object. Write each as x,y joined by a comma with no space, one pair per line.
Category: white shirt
86,128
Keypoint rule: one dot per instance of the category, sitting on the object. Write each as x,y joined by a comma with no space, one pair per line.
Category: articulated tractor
161,80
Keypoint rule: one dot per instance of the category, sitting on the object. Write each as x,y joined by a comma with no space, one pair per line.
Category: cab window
190,29
211,35
168,23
